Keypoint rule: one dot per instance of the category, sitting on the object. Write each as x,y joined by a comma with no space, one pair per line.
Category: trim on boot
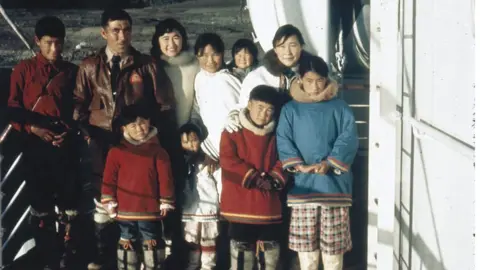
127,258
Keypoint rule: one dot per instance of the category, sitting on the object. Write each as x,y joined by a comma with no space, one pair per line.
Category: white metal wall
421,199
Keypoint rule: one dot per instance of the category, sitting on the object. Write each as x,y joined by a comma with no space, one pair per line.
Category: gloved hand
263,183
273,182
233,122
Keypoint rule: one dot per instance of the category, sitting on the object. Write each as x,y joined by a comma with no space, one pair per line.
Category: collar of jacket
42,61
247,123
153,132
183,58
275,67
132,58
298,94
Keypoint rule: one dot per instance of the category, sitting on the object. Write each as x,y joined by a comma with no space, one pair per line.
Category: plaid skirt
317,227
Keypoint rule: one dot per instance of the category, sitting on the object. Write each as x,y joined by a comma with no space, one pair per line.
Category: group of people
170,145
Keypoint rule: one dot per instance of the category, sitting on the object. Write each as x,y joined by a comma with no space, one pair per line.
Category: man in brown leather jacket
117,76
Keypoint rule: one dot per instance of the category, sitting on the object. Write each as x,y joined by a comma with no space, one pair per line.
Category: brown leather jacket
139,78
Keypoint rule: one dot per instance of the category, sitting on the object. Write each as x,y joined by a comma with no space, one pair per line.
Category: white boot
271,254
332,262
208,260
309,260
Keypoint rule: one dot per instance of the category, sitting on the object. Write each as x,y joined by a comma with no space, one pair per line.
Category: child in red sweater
138,188
252,176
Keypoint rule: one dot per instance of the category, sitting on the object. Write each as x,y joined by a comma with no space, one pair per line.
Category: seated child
244,58
200,203
317,140
138,189
252,177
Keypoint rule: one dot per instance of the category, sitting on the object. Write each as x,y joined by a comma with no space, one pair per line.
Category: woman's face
210,60
288,51
243,59
171,43
313,83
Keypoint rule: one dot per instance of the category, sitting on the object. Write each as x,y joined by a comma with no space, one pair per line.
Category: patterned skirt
317,227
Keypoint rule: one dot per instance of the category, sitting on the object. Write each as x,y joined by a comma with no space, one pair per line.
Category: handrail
421,130
10,170
13,199
20,221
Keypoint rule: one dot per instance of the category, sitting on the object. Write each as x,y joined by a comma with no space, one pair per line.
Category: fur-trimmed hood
182,59
246,123
297,93
274,66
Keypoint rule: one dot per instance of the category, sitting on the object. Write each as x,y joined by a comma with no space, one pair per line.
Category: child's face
210,60
261,113
243,59
313,83
138,130
190,142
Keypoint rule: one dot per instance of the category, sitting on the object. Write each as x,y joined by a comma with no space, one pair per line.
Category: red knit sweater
244,155
139,178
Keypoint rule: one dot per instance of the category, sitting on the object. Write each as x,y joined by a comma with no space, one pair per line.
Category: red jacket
51,84
244,155
139,179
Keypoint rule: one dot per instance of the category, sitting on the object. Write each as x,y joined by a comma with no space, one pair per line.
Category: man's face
190,142
243,59
118,35
313,83
50,47
261,113
210,60
138,130
288,51
171,44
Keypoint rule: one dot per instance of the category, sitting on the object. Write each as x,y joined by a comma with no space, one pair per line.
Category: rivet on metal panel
378,87
375,201
377,145
375,255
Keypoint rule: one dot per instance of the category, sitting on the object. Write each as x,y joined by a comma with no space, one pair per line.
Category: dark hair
130,113
167,26
115,14
211,39
265,93
188,128
50,26
313,63
241,44
286,31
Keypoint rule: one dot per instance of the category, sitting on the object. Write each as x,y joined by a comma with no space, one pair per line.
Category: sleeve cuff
247,181
169,201
337,164
106,199
291,162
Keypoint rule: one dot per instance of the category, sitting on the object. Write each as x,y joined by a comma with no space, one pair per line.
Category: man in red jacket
44,84
252,177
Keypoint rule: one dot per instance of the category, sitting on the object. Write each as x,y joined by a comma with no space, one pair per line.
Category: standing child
244,58
252,177
138,189
200,203
317,140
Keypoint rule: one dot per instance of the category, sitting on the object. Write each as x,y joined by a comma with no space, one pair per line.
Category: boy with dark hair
252,177
200,206
317,141
44,84
138,189
117,76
